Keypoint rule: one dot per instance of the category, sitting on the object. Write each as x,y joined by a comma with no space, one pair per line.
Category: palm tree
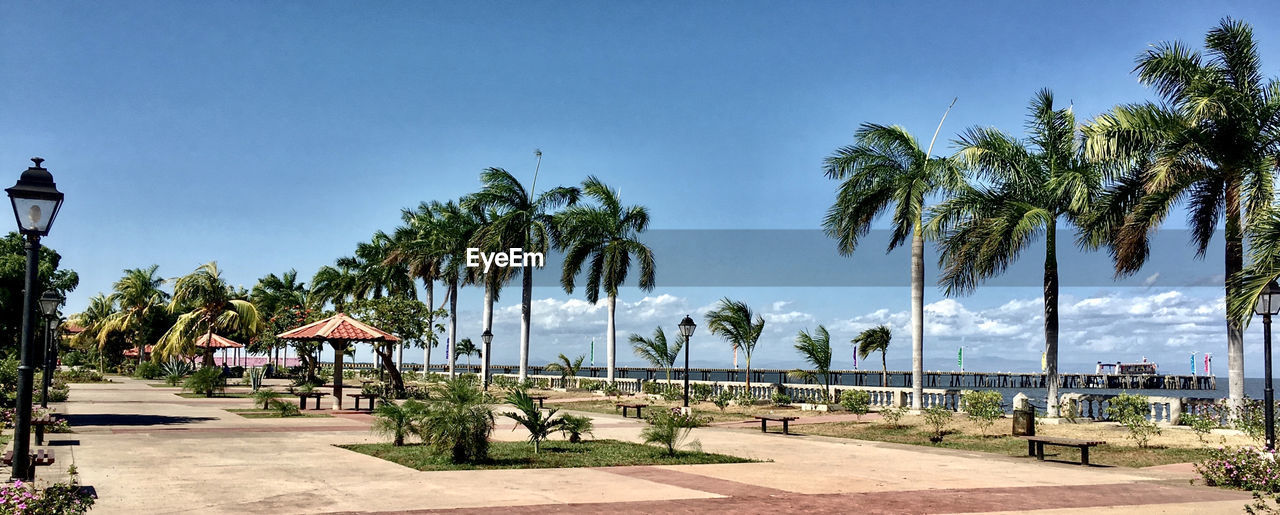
816,349
210,306
275,296
416,245
335,285
566,367
886,167
466,347
458,421
657,351
872,340
139,297
734,321
606,234
398,420
494,279
1264,267
539,424
1022,188
92,319
453,229
1211,141
524,221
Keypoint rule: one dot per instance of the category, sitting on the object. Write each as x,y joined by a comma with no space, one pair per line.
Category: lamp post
686,328
487,338
49,303
1268,304
36,201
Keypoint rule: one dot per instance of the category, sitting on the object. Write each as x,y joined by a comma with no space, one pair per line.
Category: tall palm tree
1021,190
523,219
1264,267
657,351
734,321
92,319
606,234
1213,141
872,340
466,347
885,167
416,245
454,228
274,296
816,349
495,278
335,285
566,367
139,297
209,305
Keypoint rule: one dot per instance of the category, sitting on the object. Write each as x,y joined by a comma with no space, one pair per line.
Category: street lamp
49,303
1268,305
36,201
686,328
487,338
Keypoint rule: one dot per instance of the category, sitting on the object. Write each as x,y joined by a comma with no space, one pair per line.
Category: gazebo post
337,374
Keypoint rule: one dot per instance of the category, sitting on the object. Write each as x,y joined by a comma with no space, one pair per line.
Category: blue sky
270,136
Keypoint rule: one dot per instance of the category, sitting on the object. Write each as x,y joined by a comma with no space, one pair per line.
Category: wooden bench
627,405
39,458
303,396
1035,446
40,422
357,396
538,398
764,422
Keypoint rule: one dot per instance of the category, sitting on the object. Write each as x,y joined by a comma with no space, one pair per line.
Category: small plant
177,367
938,418
588,385
574,426
148,370
254,376
1245,468
397,420
700,391
264,397
206,381
667,430
983,407
1200,424
672,393
285,409
744,397
539,424
1131,412
651,388
857,402
458,422
23,497
780,399
722,401
611,390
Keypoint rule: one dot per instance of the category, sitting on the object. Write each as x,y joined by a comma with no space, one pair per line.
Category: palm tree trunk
884,369
917,317
431,324
488,326
1235,333
526,305
1051,318
611,341
748,354
451,350
399,355
208,351
337,373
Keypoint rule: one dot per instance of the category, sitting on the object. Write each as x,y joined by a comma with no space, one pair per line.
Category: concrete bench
357,396
1035,446
628,405
303,396
765,419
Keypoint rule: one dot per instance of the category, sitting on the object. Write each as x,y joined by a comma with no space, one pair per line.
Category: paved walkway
146,450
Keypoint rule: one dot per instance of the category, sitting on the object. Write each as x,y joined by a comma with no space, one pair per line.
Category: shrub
1245,468
673,393
325,375
667,430
264,397
611,390
1131,412
59,391
780,399
857,402
722,400
78,375
1250,418
24,498
744,397
177,367
938,418
206,381
77,358
286,409
539,424
983,407
148,370
458,422
574,426
700,391
589,385
651,388
1200,424
893,415
396,420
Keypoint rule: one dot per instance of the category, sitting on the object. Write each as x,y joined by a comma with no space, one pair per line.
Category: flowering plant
24,498
1246,468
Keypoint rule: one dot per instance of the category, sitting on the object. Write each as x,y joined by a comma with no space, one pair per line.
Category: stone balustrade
1161,410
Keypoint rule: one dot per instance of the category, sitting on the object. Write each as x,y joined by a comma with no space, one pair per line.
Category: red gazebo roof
337,328
132,352
218,343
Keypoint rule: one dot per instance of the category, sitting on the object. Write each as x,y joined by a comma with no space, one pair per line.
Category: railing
1160,409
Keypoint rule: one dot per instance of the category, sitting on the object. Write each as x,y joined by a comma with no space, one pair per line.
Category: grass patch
193,395
258,413
4,439
704,410
1111,454
555,454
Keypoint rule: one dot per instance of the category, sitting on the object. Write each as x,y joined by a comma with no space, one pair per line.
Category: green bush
264,397
744,397
540,424
459,421
938,418
667,430
177,367
1245,468
673,393
857,402
700,391
651,388
781,399
206,381
574,426
982,407
148,370
588,385
25,498
78,375
1200,424
398,420
285,408
722,401
892,415
1131,412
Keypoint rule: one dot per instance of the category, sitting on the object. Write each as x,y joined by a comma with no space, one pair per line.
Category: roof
132,352
337,328
218,343
72,328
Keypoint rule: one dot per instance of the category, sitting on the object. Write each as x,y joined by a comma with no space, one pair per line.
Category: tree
816,349
403,317
13,266
207,305
416,245
539,424
466,347
1021,190
606,235
734,321
525,221
278,298
398,420
453,228
91,320
458,421
1212,141
886,167
657,351
493,279
567,367
872,340
140,299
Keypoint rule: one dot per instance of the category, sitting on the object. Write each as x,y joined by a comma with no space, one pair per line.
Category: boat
1141,368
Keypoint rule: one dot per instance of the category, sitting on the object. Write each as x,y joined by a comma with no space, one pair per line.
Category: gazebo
219,342
339,330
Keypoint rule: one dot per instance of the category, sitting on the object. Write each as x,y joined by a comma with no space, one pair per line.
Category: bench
765,419
303,396
39,458
1035,446
40,422
626,405
538,398
357,396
